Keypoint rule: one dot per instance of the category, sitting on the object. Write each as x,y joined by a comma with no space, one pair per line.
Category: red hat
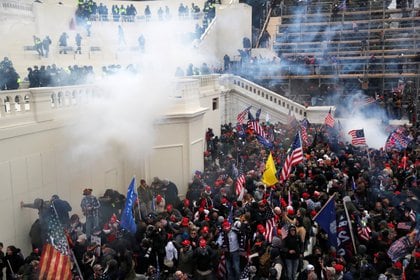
316,194
169,208
207,189
338,268
306,195
201,209
223,200
226,225
158,198
186,203
202,243
185,222
186,242
397,192
290,211
398,265
283,203
205,229
261,228
313,213
113,218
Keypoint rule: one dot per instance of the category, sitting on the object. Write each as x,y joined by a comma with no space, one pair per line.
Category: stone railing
274,101
16,7
42,104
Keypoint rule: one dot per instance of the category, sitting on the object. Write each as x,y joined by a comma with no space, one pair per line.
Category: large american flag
241,116
357,137
55,260
329,120
293,158
257,128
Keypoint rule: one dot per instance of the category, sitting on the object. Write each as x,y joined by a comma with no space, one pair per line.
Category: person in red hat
160,204
203,258
186,210
185,262
229,242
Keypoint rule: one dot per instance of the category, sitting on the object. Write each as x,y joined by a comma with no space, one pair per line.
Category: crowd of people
216,232
9,78
52,75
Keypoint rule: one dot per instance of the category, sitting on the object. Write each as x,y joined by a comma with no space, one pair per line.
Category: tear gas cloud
123,119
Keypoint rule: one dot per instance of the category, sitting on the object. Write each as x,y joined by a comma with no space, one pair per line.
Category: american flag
245,273
221,268
240,184
364,101
357,137
293,158
241,116
55,260
270,225
329,120
255,126
363,232
303,130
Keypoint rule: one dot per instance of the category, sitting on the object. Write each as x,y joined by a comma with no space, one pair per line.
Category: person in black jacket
14,260
293,249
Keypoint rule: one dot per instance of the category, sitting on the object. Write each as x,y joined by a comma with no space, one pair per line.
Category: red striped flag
221,268
329,120
357,137
304,133
240,184
55,260
364,232
295,157
241,116
257,128
270,225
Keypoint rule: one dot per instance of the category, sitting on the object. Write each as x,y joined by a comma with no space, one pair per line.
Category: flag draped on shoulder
326,218
357,137
127,217
55,260
269,176
294,157
329,119
242,115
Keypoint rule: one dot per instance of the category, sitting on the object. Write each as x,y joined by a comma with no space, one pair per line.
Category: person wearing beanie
275,255
293,249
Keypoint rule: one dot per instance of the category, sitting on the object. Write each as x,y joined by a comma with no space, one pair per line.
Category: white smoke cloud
123,120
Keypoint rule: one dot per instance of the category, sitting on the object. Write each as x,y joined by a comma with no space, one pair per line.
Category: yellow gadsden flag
269,176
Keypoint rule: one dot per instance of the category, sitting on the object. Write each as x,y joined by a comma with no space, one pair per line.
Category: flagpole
322,208
367,152
345,200
68,245
138,199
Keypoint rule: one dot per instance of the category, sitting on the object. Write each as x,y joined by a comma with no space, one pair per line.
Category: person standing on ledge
90,206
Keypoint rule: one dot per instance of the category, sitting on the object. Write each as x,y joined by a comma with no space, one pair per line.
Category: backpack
265,263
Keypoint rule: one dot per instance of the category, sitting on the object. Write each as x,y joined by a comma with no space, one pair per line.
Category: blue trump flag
326,219
127,217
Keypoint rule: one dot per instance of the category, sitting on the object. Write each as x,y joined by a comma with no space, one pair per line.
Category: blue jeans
292,267
233,266
92,222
